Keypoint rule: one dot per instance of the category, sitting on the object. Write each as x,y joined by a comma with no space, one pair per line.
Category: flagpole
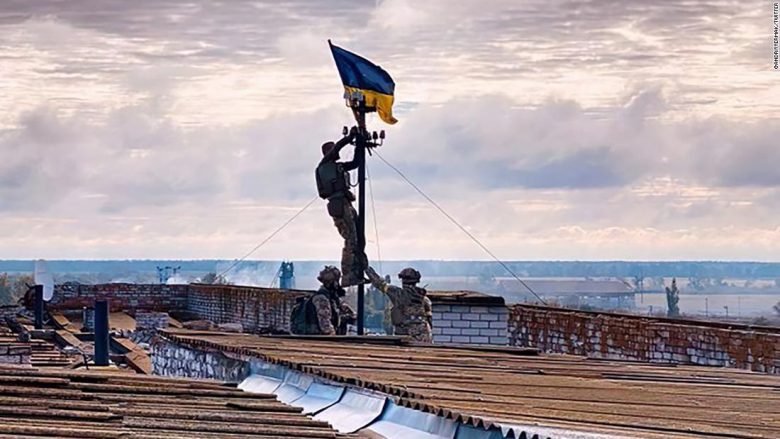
360,153
351,70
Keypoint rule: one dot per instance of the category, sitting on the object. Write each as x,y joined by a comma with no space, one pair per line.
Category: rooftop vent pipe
101,333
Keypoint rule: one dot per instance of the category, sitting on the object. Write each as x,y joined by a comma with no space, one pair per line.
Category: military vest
331,179
410,307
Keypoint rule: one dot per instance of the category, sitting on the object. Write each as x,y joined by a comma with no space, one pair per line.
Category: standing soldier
409,314
333,185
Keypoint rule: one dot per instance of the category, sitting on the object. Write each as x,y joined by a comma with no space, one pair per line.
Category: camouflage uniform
327,312
410,314
333,185
326,301
346,224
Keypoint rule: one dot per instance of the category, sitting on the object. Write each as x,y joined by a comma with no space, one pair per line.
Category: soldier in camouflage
411,313
333,185
327,301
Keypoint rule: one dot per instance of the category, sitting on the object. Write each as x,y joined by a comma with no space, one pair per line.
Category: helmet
329,274
327,147
409,275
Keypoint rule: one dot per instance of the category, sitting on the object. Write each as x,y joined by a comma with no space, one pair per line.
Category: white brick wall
465,324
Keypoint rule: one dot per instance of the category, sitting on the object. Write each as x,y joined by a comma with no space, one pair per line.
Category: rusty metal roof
499,388
48,403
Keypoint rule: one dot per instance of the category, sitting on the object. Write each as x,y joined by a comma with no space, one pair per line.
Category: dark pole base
360,151
38,306
101,333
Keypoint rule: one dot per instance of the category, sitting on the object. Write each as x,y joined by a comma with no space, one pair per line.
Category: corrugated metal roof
37,403
499,389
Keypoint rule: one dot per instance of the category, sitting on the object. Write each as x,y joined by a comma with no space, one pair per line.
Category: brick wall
468,317
259,310
169,359
15,353
469,324
123,297
629,337
151,320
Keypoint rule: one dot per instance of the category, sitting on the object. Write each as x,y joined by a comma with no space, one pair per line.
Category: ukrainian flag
363,78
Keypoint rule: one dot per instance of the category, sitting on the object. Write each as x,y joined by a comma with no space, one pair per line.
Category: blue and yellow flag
362,77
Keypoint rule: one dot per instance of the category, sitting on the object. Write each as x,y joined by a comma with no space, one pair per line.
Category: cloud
550,129
490,142
137,156
38,167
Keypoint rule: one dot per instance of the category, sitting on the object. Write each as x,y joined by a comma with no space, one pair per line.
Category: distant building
575,293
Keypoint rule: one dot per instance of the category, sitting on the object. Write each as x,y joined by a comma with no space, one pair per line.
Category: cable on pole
373,216
268,238
463,229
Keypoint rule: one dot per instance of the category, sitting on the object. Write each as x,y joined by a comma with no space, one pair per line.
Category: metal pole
360,152
101,333
38,306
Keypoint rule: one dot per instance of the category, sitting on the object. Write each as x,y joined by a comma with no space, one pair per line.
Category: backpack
303,319
299,324
330,179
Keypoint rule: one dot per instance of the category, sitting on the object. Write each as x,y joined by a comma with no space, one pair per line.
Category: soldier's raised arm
392,291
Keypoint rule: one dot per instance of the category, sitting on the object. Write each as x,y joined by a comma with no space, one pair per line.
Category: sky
565,130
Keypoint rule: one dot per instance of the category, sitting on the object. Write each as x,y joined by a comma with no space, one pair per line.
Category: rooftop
38,403
506,387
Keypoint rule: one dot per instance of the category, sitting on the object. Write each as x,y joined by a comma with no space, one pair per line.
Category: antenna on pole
43,291
44,278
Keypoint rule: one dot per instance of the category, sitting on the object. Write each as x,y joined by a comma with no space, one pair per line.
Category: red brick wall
628,337
259,310
122,297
